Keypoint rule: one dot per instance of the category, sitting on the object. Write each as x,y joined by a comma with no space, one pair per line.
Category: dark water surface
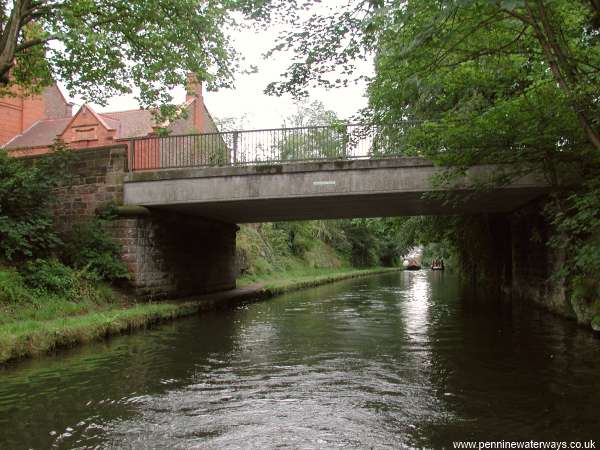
383,362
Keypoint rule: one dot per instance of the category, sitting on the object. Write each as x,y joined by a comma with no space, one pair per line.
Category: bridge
327,172
180,197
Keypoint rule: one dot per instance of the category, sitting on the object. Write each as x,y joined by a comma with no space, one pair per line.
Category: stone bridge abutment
167,253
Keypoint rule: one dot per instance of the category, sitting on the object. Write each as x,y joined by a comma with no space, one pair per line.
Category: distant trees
320,243
325,136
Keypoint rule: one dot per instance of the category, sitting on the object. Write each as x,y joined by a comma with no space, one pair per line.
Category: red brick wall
18,113
10,118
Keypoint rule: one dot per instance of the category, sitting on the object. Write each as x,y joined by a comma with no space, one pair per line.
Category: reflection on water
399,360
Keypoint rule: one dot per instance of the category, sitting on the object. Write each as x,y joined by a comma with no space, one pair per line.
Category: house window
85,134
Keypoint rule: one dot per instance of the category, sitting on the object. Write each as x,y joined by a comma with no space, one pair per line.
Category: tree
105,47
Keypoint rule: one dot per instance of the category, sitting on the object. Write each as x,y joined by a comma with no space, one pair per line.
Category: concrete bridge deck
320,190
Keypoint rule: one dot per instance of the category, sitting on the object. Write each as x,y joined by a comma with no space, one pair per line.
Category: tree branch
33,42
455,45
563,72
9,38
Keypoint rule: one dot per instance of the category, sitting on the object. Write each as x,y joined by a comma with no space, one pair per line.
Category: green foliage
91,248
283,246
261,250
326,140
477,73
105,48
26,192
299,236
12,287
28,236
436,250
577,221
363,243
47,289
49,276
495,80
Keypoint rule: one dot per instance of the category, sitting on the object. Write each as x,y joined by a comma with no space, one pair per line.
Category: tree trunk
8,42
20,15
564,73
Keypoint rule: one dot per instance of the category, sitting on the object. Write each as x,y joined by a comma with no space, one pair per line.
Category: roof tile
40,134
135,123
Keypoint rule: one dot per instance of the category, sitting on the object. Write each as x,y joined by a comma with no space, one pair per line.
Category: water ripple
406,360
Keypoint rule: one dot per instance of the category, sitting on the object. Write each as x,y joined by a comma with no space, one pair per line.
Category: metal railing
278,145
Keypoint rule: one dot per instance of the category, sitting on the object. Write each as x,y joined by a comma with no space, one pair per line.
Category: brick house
29,125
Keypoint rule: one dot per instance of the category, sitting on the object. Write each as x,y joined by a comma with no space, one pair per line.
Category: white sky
248,98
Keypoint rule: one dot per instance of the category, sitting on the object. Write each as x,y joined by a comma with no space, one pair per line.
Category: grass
40,327
50,306
306,277
295,274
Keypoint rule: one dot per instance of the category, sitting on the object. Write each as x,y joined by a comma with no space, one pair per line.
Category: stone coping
277,168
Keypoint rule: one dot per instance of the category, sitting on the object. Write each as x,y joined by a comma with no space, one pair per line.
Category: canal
404,359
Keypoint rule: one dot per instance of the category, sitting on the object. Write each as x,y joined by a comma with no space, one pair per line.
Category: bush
50,276
26,192
12,287
91,248
256,255
301,236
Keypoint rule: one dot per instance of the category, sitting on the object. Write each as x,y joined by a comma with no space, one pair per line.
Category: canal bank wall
47,336
512,253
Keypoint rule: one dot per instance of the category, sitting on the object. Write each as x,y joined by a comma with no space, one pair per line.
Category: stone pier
167,253
173,254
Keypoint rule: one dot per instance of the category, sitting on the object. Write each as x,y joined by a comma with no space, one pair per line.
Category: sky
248,98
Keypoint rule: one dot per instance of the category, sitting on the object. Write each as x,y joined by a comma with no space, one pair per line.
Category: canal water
405,359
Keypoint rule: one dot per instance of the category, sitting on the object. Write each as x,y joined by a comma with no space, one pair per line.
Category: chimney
193,87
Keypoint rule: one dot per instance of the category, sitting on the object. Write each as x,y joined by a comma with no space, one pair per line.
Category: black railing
279,145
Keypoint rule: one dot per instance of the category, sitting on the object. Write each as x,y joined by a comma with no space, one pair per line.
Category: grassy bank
41,328
268,286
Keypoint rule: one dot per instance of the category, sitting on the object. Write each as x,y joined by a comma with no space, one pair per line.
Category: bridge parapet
95,179
267,146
